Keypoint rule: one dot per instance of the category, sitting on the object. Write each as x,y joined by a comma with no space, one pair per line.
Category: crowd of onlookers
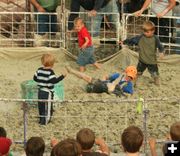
132,139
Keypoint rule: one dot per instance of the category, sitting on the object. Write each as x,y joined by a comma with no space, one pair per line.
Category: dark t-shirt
93,154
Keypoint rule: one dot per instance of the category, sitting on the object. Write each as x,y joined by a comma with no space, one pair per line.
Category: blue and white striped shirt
46,78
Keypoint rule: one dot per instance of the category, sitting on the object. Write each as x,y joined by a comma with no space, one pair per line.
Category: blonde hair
48,60
148,25
78,19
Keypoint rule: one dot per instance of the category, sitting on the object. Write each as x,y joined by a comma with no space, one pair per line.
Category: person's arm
171,5
35,77
152,144
103,147
132,41
37,6
53,79
97,5
85,43
75,7
144,7
160,47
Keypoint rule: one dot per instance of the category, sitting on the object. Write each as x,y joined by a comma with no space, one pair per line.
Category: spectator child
35,146
46,79
148,44
174,135
5,143
86,138
132,139
86,55
67,147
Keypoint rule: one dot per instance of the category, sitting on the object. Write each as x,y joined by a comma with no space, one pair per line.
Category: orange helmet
131,71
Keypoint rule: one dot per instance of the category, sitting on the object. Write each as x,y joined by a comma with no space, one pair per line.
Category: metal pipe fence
107,117
166,29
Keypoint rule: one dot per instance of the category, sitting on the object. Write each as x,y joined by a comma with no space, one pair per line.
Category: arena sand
107,119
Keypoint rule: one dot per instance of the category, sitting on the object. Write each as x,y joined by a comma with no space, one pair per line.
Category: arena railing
107,117
132,26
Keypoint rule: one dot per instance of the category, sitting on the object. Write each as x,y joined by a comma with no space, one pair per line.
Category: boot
156,81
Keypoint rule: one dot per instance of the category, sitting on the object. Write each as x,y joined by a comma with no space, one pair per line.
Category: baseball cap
5,144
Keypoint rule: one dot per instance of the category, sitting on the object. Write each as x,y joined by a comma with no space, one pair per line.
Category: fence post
25,108
145,114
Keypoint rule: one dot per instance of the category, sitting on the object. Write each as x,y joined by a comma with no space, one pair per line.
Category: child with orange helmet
117,83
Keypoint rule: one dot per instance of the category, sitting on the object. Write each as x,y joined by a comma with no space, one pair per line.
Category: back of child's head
148,26
86,138
175,131
35,146
132,139
67,147
2,132
48,60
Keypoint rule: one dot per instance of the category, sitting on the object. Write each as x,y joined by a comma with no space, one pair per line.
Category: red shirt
81,37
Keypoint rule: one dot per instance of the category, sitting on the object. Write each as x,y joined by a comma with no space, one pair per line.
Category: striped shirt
46,78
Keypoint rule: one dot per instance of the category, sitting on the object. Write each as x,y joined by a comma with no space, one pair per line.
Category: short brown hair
175,131
86,138
3,132
148,25
35,146
78,19
48,59
132,139
67,147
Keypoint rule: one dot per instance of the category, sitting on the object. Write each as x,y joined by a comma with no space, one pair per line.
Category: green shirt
147,52
49,5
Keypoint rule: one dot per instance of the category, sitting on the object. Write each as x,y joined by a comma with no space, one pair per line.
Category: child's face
128,78
78,26
148,33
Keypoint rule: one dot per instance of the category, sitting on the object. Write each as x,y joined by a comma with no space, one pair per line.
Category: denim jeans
86,56
111,7
46,24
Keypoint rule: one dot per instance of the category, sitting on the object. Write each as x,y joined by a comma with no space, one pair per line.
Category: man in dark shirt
94,7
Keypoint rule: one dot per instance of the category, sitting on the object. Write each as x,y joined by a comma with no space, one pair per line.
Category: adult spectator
46,23
94,7
160,8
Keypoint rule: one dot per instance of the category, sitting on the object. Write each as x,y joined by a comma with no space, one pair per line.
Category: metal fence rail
107,117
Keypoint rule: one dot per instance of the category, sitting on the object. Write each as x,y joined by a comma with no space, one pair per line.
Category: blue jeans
111,7
86,56
46,24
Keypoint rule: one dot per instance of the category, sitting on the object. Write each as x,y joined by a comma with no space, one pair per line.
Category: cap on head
131,71
5,144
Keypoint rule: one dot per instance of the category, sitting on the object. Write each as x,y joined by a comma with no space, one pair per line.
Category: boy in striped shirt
46,79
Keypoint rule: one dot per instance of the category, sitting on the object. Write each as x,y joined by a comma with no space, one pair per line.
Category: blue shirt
127,88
